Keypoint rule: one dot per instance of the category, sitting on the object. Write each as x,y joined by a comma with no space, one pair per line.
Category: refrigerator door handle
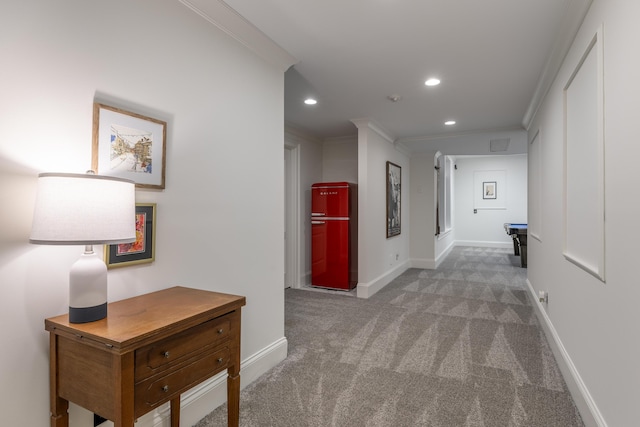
318,222
317,214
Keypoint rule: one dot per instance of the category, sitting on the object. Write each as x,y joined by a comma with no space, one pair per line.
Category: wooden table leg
175,412
233,399
59,407
60,414
124,389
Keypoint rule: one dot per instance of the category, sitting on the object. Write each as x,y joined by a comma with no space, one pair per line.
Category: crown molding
346,139
366,123
220,14
374,126
574,14
295,132
440,136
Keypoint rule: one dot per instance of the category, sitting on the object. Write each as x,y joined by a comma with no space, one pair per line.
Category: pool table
519,234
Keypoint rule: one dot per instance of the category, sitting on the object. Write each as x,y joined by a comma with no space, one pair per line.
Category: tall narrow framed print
394,192
129,145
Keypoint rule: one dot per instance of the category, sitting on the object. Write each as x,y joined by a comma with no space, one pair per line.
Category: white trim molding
534,188
424,263
574,14
366,290
374,126
584,190
483,244
220,14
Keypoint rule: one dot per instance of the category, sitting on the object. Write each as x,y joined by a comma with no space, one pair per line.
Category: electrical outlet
543,297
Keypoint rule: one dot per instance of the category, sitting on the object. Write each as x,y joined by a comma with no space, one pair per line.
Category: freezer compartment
330,200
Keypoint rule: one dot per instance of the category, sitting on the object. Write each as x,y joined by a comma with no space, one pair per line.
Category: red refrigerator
334,235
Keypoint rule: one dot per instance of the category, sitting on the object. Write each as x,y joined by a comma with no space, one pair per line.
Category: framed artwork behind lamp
143,249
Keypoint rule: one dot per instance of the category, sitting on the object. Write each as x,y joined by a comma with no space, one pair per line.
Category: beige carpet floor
456,346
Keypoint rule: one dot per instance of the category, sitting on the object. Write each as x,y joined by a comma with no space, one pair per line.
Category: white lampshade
84,209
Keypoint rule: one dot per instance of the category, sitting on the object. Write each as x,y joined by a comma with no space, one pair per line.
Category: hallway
455,346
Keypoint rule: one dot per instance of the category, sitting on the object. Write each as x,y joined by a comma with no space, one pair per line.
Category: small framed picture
143,249
489,190
129,145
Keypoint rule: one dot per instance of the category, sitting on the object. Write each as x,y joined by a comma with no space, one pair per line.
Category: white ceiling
491,55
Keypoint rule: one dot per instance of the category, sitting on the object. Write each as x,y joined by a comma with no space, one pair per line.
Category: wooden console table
146,352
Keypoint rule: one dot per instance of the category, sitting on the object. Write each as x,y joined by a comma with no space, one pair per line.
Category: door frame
292,215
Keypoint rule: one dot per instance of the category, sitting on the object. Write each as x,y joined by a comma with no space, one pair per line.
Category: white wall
477,143
594,324
224,108
340,159
422,215
379,259
485,228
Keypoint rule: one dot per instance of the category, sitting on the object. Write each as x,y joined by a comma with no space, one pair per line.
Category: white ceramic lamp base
88,288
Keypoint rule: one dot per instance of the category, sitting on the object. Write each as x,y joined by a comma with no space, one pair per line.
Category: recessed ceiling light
432,82
450,122
310,101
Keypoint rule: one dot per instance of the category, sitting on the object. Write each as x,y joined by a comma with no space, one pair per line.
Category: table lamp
84,209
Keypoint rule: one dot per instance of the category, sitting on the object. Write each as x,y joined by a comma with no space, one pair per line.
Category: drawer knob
220,331
165,388
166,354
220,360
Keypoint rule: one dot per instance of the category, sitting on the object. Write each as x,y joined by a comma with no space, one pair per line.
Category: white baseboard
482,244
445,253
432,264
425,263
305,280
198,402
366,290
587,407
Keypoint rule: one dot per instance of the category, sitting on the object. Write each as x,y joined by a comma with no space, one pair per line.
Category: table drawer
157,390
158,356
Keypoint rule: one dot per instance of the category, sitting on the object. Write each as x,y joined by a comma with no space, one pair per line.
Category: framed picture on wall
143,249
394,202
489,190
129,145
